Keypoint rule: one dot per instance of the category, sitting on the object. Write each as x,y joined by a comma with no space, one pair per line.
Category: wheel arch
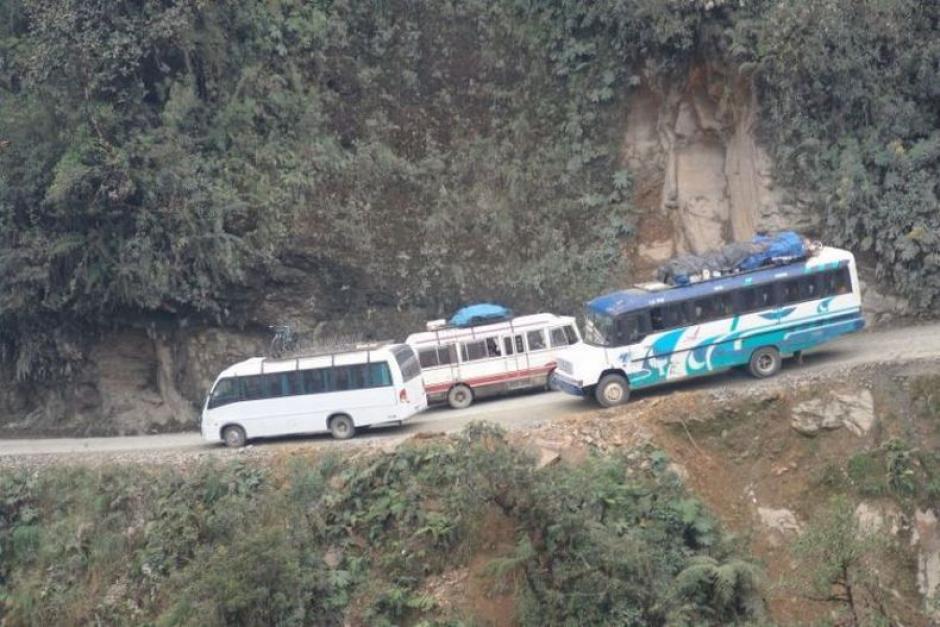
616,371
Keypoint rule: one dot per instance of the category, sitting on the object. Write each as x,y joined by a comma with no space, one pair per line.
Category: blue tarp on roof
477,314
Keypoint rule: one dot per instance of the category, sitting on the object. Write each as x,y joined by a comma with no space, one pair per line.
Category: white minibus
338,392
460,364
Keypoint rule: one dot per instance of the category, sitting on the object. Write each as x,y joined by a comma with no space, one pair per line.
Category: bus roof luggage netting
763,250
482,313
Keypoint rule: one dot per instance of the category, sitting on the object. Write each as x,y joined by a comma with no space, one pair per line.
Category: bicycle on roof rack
285,340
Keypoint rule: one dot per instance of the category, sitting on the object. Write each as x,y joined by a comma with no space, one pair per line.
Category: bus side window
536,340
520,344
473,350
428,357
379,375
764,296
788,292
252,388
809,288
675,315
447,354
341,379
745,300
492,347
315,381
657,320
507,345
293,384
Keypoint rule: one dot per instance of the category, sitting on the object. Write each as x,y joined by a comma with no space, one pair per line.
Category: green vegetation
849,107
314,542
837,557
158,161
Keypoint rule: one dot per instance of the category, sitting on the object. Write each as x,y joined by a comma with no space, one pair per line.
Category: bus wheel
460,396
612,390
765,362
233,436
342,427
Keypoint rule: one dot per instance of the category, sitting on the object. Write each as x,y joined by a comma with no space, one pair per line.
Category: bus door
515,359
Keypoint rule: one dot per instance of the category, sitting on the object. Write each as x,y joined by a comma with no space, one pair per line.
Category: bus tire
765,362
460,396
342,427
612,390
234,436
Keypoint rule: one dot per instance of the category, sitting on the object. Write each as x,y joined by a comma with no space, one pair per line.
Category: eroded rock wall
703,178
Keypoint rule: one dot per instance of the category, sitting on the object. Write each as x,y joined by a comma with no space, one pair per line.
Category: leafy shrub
340,541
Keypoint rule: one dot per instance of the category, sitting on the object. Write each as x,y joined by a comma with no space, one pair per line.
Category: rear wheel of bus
612,390
460,396
765,362
342,427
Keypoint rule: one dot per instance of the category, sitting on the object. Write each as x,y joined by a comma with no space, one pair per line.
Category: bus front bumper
565,384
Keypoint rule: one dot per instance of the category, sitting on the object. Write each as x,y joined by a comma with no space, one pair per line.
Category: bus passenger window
315,381
657,322
764,296
507,345
808,288
536,340
447,354
253,389
428,357
341,379
379,375
789,292
520,345
473,350
675,315
492,347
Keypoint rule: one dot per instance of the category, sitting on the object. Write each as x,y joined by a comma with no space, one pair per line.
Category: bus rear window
407,362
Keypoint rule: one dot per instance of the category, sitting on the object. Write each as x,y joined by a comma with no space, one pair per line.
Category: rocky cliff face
703,178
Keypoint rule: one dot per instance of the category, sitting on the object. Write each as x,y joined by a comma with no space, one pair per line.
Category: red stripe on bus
496,378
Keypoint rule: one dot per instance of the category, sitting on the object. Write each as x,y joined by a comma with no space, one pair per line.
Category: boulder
853,410
780,524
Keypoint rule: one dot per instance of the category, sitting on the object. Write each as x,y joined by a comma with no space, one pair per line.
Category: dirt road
902,344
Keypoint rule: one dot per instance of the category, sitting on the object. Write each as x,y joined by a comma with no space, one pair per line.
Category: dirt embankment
767,461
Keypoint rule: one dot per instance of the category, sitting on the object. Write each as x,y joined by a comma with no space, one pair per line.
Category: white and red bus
459,364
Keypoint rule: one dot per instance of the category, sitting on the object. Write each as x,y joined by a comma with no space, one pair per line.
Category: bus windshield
598,328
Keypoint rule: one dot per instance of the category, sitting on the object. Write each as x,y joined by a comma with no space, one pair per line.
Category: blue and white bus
641,337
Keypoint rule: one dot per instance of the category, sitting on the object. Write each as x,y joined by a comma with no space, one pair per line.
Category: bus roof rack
347,347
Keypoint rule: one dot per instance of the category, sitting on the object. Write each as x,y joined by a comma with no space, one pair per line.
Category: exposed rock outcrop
853,410
703,177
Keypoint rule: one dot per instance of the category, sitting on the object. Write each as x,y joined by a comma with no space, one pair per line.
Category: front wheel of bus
460,396
612,390
233,436
342,427
765,362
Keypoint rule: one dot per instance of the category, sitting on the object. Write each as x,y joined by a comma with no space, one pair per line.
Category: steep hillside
795,503
174,177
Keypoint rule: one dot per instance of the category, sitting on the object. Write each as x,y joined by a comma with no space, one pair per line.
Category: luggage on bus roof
762,250
480,313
